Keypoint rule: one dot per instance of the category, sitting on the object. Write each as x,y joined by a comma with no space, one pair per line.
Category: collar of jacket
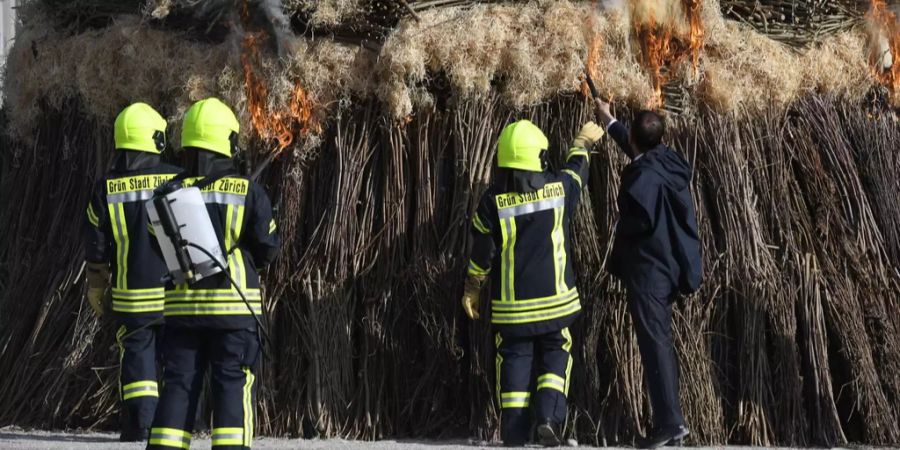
131,161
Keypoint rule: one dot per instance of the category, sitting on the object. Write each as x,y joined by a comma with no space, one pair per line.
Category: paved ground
12,438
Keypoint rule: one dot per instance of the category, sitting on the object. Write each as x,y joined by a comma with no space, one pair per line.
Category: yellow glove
472,295
590,133
98,284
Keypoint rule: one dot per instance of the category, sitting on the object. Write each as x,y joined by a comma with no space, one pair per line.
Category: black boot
664,436
130,434
548,434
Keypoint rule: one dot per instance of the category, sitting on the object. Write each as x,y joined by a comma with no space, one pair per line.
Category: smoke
611,5
278,25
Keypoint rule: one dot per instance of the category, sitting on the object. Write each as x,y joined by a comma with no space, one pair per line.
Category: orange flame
886,21
282,125
593,56
663,49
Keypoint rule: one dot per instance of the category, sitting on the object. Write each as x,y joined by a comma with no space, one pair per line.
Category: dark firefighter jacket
241,215
656,247
117,230
521,238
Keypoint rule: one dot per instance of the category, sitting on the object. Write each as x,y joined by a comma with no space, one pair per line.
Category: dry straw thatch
794,338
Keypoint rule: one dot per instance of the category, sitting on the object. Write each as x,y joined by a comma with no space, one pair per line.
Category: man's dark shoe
548,434
664,436
134,435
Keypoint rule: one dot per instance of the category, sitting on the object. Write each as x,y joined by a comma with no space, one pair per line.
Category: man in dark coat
656,254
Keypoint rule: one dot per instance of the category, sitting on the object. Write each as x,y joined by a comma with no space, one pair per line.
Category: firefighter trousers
652,316
532,364
138,388
230,356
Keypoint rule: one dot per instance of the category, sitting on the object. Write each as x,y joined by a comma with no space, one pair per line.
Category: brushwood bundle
383,118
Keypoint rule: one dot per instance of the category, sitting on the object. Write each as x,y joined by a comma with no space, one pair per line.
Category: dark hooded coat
656,247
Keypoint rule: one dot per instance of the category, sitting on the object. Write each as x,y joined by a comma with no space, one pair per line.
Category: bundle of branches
796,22
384,152
793,339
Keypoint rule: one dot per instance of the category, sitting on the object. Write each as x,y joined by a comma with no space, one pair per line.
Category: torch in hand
601,107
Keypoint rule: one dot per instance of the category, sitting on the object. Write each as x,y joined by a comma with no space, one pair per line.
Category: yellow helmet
520,146
210,125
139,127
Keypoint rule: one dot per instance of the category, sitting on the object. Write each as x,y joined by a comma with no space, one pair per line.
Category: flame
593,55
886,21
663,48
281,125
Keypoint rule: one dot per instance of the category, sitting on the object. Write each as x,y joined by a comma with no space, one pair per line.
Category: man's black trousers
550,356
230,356
652,316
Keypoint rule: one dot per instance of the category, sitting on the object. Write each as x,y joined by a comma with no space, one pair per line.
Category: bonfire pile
384,117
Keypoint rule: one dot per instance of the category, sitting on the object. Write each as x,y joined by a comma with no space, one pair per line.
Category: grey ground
13,438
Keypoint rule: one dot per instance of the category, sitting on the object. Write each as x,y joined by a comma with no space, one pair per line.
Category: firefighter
118,243
208,325
521,238
656,254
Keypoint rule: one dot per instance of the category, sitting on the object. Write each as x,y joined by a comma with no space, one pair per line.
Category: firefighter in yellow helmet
520,237
122,255
208,325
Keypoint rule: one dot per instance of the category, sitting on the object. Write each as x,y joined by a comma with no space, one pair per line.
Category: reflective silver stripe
141,294
238,274
177,296
507,291
150,306
575,305
140,389
239,437
514,399
222,198
559,250
501,306
122,259
554,379
169,437
133,196
213,309
574,176
529,208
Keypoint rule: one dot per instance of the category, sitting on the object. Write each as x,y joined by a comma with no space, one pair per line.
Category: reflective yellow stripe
140,389
567,346
559,251
170,437
535,304
514,399
212,295
476,270
574,176
479,225
227,436
536,316
499,362
138,294
508,260
272,226
138,307
577,151
211,309
120,235
552,381
229,241
123,269
248,406
119,334
92,216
